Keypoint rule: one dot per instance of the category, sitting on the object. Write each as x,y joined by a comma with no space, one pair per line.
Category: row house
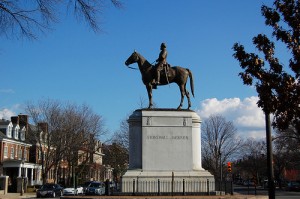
90,164
15,152
20,157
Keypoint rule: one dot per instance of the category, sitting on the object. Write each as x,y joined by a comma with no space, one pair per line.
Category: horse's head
134,57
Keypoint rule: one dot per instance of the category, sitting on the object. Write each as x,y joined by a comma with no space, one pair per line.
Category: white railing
167,186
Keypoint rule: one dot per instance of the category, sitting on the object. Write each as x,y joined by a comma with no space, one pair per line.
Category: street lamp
22,177
220,154
63,166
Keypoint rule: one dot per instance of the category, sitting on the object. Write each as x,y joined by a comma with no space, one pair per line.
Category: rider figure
161,61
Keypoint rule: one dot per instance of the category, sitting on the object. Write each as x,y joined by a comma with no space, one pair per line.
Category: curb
238,196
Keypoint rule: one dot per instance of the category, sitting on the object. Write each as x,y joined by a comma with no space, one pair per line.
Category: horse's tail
191,81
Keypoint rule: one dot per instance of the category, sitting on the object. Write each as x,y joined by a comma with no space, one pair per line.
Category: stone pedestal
165,153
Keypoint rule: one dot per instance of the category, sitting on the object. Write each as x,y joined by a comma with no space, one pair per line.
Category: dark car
95,188
293,186
49,190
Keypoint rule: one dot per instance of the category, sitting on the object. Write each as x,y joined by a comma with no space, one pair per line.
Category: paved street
240,192
280,194
31,196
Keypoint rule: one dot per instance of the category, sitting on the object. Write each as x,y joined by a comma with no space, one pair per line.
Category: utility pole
271,185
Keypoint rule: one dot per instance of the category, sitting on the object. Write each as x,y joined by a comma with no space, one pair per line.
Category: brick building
21,157
15,152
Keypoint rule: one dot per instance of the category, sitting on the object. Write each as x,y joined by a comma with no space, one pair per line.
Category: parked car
112,184
72,191
248,183
86,184
266,184
95,188
293,186
49,190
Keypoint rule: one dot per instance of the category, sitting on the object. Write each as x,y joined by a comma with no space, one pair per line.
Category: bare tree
290,138
81,129
219,143
117,150
253,165
121,136
286,152
26,18
70,128
117,157
45,112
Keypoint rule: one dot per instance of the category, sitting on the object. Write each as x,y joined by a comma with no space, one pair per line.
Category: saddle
166,68
164,72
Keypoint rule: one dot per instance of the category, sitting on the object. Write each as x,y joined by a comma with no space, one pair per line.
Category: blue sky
72,63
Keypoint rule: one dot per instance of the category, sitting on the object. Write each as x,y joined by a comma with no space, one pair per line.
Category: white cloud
7,91
6,113
256,134
247,117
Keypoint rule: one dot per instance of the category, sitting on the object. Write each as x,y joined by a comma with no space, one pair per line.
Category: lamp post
63,166
220,170
22,177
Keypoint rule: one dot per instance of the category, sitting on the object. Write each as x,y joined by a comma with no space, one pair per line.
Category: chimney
23,120
15,120
43,126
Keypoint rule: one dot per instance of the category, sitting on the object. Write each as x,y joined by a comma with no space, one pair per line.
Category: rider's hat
163,45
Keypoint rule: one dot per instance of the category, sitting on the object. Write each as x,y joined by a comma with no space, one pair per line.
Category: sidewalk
235,196
17,195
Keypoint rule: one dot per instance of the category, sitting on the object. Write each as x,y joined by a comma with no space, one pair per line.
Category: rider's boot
158,78
154,86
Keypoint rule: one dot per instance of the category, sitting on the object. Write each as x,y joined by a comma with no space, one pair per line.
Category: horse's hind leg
182,92
187,94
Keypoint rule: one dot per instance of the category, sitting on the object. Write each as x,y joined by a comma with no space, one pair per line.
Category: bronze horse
176,75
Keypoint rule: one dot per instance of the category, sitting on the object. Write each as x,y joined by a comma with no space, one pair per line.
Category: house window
25,154
12,153
22,134
16,133
39,155
9,130
5,152
20,153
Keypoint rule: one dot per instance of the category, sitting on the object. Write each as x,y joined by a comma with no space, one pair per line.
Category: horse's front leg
149,90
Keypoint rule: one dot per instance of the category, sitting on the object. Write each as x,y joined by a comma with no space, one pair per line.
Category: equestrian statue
162,74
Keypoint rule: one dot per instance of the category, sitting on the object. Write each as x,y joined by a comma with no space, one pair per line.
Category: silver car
95,188
72,191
